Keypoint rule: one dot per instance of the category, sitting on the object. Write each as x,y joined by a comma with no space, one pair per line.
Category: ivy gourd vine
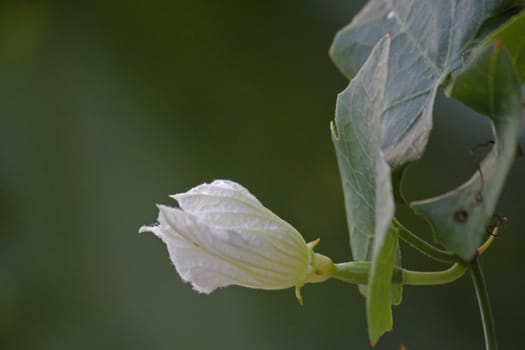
398,55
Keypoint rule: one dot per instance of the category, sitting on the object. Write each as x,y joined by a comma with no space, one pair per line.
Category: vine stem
358,272
421,278
487,317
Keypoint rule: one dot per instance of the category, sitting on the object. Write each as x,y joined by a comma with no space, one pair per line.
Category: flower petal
228,205
210,257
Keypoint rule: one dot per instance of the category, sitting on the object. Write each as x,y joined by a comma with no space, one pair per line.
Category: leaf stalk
423,246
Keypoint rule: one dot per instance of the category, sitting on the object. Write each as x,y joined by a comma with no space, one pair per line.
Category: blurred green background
107,108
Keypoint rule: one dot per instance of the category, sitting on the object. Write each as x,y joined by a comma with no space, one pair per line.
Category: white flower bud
222,235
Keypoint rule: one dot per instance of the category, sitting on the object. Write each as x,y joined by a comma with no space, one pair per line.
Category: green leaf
490,85
429,40
396,290
381,292
512,36
367,187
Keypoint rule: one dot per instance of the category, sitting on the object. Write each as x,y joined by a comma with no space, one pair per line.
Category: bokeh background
106,108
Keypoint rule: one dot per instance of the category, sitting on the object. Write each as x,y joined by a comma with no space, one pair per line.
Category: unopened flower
222,235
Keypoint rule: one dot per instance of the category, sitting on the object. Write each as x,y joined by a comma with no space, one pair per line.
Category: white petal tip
143,229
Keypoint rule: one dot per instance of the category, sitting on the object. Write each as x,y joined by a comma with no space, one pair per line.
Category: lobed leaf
490,85
429,41
369,201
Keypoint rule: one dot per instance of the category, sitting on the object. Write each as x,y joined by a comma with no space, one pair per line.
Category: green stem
352,272
485,309
423,246
357,272
420,278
